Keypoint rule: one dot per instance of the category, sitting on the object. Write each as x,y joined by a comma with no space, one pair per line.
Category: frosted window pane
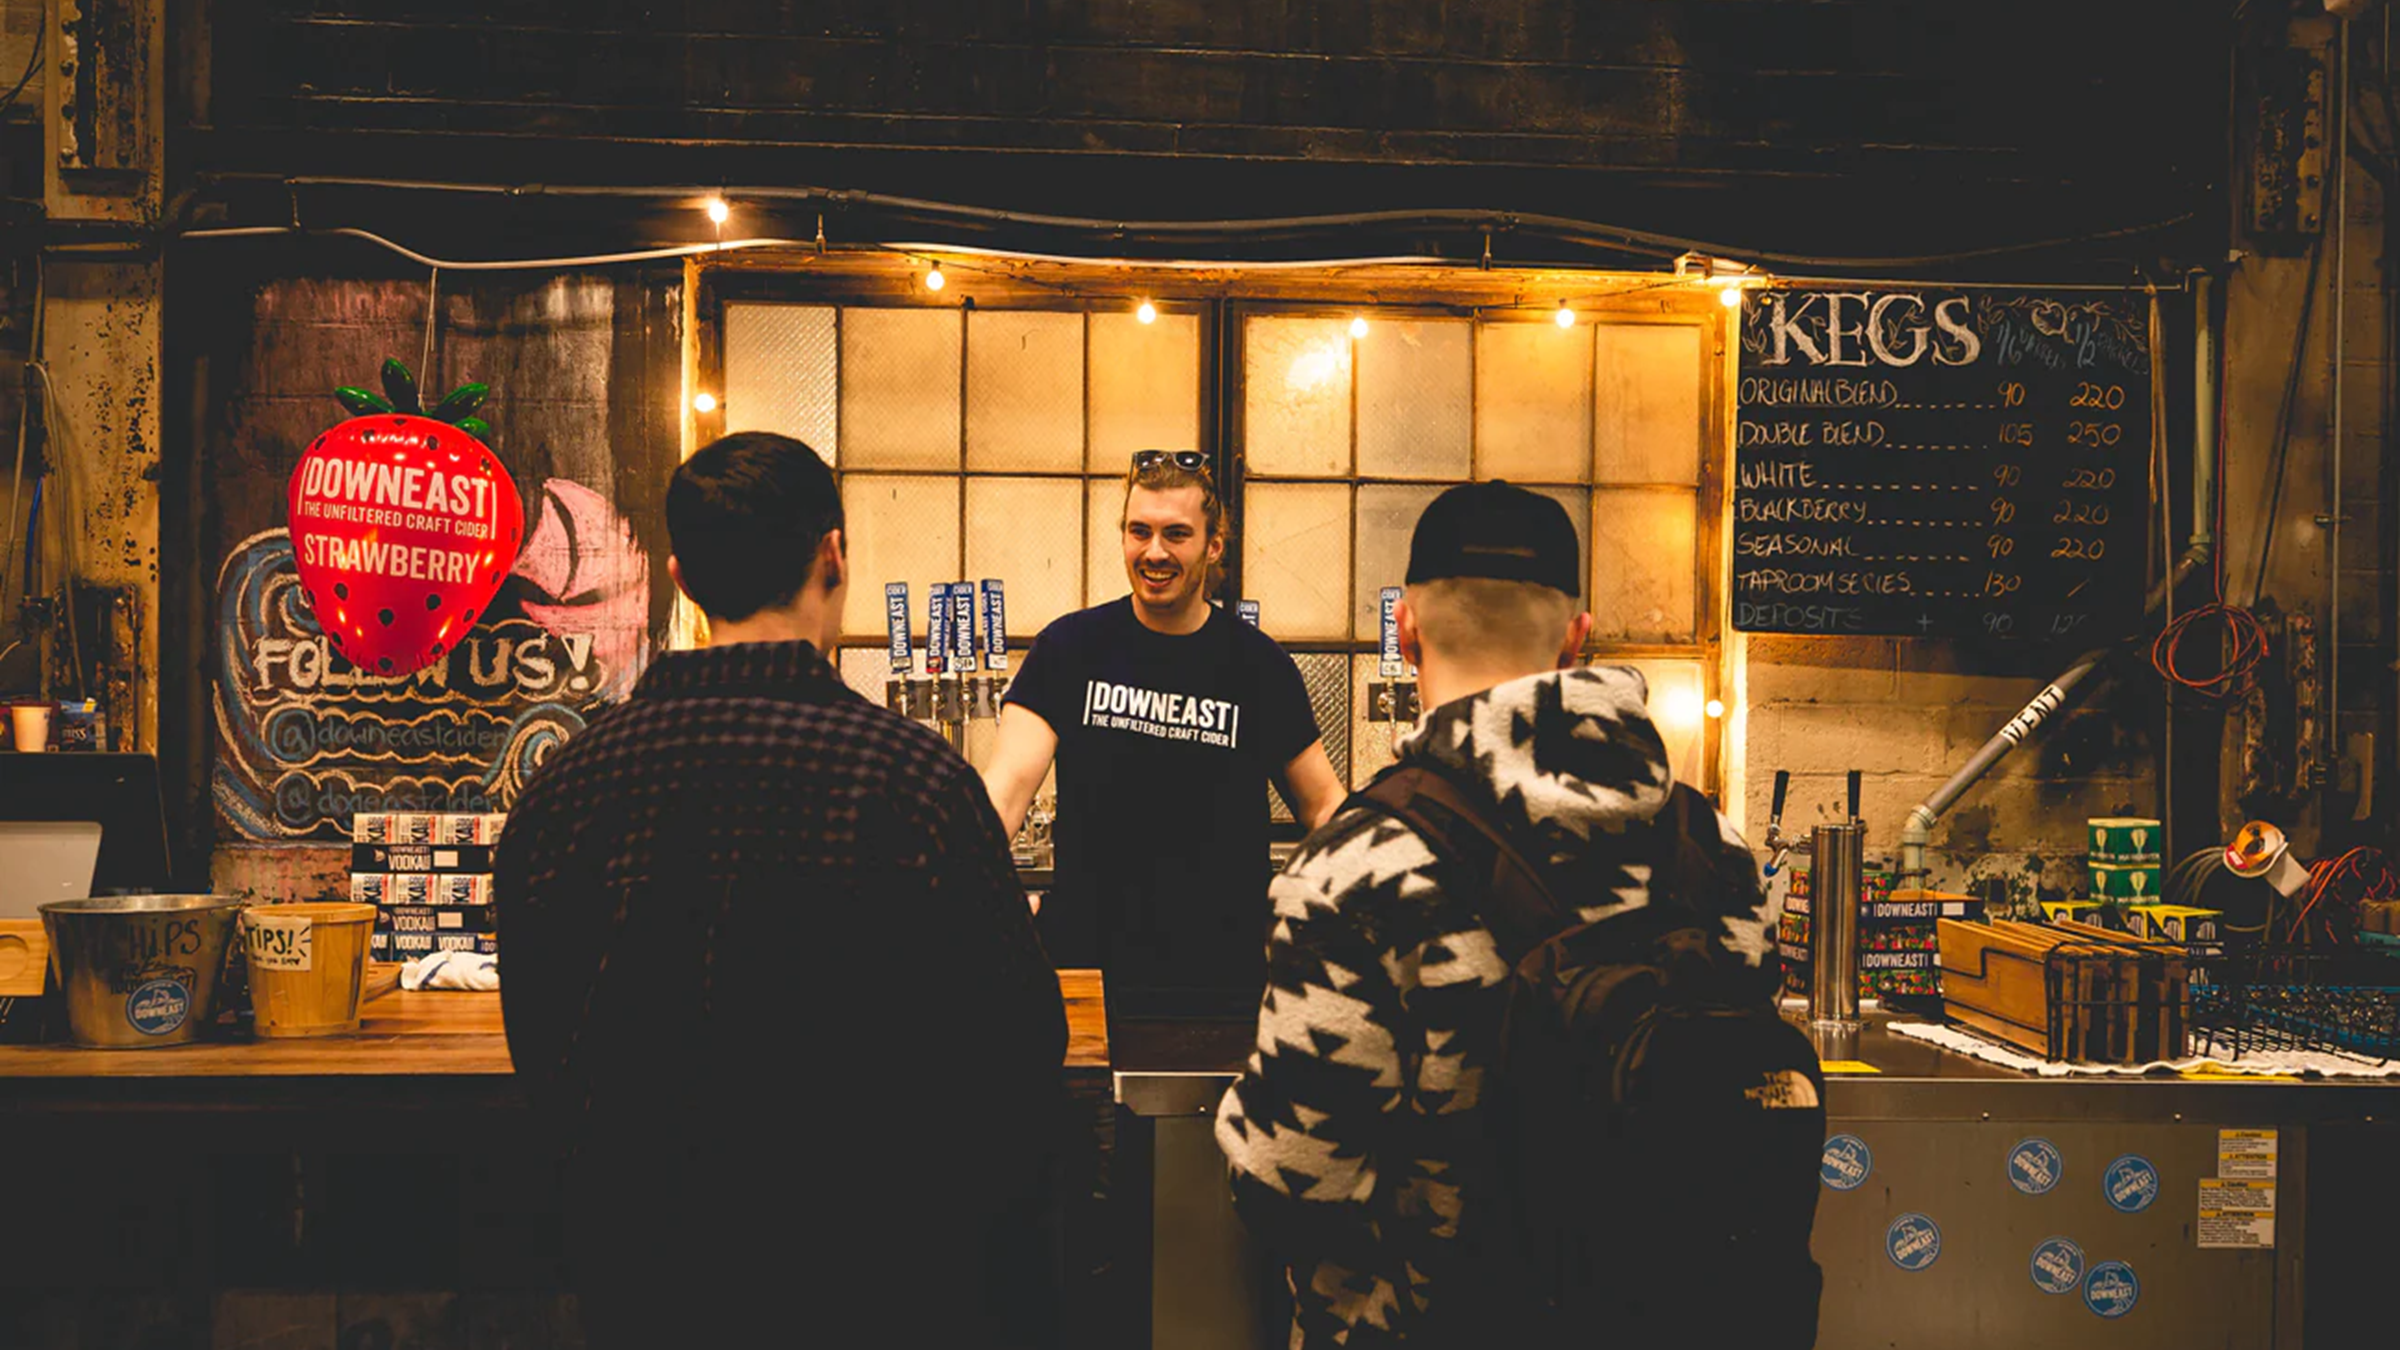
1104,542
1416,410
866,668
1578,504
901,529
1296,558
900,388
1646,403
1387,517
1024,391
1533,403
1145,387
1028,532
1642,542
1678,707
1296,396
780,372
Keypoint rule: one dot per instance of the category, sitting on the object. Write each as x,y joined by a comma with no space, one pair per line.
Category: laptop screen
45,860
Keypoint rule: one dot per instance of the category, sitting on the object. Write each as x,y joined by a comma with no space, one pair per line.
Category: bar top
425,1033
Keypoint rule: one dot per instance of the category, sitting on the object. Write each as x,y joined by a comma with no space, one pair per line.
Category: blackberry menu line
1940,463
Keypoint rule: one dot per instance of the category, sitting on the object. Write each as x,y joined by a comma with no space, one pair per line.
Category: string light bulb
718,211
1715,708
1730,297
1565,317
1146,312
704,402
934,280
1358,325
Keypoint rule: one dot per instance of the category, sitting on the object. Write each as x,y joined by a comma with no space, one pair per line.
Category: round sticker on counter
2035,1165
2111,1289
1845,1163
2130,1183
158,1006
2057,1266
1913,1241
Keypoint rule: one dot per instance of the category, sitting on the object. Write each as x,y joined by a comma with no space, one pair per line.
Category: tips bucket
139,970
307,963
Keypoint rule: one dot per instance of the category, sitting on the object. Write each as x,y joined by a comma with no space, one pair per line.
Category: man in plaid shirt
771,977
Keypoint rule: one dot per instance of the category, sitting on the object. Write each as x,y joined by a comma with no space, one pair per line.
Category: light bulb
1715,708
1730,297
1565,318
934,280
704,402
1358,325
1147,313
718,210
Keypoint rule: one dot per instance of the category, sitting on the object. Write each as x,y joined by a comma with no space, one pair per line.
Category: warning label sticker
2236,1214
2246,1154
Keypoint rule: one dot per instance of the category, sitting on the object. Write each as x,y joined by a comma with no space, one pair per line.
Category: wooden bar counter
407,1040
387,1187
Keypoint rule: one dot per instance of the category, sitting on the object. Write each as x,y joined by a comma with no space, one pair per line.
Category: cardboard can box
436,919
419,888
463,858
2180,924
2131,841
410,946
2112,882
427,827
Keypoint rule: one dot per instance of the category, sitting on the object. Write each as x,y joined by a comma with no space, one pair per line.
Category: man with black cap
1361,1151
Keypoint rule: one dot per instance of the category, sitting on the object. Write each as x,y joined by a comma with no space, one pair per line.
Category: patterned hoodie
1358,1151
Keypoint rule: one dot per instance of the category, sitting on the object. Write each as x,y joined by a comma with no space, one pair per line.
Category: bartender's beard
1168,596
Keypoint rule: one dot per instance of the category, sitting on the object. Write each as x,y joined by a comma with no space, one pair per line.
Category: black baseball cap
1499,531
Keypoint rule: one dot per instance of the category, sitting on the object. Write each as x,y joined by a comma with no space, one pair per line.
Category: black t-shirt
1165,746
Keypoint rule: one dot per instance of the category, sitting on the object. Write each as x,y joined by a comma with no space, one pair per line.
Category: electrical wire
1567,229
33,63
2348,881
2242,645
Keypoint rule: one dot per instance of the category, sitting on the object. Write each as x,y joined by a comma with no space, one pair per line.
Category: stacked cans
1897,948
429,877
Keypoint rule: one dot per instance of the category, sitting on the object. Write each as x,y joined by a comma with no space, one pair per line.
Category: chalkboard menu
1941,463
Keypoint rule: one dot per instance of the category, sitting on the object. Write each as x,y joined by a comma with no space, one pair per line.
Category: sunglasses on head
1190,461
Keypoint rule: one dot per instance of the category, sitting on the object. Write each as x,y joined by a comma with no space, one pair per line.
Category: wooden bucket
307,965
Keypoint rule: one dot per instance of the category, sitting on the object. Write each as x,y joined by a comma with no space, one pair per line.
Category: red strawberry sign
403,525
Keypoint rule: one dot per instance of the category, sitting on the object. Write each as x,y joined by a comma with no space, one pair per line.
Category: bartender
1167,716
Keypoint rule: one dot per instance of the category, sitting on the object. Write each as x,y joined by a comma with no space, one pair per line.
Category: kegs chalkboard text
1936,463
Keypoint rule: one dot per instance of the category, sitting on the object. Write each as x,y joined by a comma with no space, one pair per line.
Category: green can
2112,881
2125,840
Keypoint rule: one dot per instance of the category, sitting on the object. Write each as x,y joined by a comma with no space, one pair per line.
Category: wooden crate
2061,994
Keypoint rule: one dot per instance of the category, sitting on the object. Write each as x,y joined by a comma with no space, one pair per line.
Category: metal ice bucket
139,970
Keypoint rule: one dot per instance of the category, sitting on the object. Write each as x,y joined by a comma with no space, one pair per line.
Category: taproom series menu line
1931,463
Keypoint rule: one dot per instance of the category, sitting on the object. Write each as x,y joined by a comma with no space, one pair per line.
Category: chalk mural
306,739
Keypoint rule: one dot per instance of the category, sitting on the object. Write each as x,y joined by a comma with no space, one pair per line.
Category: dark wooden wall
1849,126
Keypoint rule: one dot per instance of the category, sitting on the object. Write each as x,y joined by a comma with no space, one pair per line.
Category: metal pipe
1916,833
2333,475
1837,869
2204,412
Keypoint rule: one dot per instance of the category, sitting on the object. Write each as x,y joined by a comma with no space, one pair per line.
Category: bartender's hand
1019,762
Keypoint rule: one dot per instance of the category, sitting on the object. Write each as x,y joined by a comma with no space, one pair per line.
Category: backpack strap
1518,904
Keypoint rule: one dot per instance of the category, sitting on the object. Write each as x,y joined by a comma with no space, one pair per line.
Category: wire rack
2340,999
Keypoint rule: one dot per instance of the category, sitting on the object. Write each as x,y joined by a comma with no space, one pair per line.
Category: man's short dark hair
745,516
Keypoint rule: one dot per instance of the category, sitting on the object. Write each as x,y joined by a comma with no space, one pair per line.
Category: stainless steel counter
1939,1130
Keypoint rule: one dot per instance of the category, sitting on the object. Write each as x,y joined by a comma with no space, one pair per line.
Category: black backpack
1658,1124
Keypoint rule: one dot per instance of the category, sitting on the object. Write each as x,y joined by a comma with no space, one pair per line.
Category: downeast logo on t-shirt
1167,716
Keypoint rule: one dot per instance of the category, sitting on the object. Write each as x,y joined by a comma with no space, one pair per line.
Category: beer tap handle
1854,777
1776,847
